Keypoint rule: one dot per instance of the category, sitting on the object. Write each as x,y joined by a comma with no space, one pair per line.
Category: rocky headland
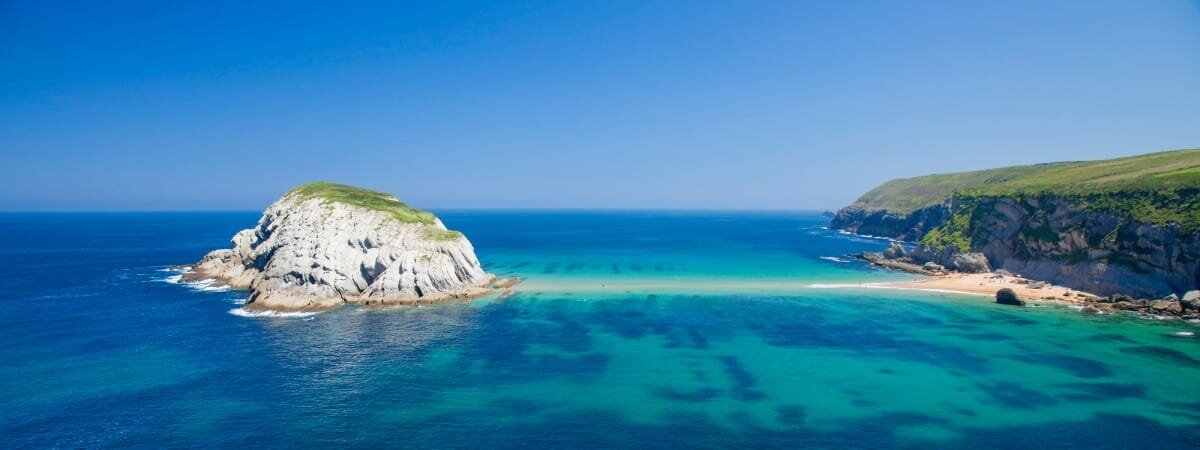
1125,231
323,245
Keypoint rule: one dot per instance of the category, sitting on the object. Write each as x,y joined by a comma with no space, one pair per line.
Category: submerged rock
1006,296
322,245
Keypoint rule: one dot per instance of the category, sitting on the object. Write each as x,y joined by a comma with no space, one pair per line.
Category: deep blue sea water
632,329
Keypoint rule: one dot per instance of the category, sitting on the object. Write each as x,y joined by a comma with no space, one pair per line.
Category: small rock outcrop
323,245
972,262
1006,296
895,251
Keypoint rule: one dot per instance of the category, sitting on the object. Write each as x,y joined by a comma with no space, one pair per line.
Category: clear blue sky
790,105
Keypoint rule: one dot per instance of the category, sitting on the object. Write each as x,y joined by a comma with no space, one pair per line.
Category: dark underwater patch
1080,367
690,429
986,336
802,326
860,402
744,382
790,414
1009,318
1113,338
1162,353
685,338
698,395
502,339
1014,395
519,406
1099,392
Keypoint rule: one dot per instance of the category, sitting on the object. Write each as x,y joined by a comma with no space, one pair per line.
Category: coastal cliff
323,245
1124,226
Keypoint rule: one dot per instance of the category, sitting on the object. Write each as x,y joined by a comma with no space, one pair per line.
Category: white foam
834,259
1185,334
243,313
199,285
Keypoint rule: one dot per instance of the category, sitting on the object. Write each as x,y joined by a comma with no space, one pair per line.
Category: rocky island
323,245
1123,229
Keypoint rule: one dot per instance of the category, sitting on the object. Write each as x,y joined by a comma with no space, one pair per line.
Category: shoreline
192,275
986,284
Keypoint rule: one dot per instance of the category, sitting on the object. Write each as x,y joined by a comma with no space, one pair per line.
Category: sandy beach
989,283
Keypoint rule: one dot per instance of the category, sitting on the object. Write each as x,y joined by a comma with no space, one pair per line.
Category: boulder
1191,305
1125,306
1039,285
1090,310
1171,297
894,251
933,267
1117,298
973,262
1191,296
1003,273
1166,307
1006,296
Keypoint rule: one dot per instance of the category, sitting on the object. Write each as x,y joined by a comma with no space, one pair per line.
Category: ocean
630,330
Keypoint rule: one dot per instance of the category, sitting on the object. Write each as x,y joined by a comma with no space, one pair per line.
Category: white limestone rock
323,245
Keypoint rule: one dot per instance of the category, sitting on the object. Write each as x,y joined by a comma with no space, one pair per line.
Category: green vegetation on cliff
1157,188
363,198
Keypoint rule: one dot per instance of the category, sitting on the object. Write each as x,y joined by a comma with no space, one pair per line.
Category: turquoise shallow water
630,330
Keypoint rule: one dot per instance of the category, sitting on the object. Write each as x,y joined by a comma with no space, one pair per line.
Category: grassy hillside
364,198
1153,175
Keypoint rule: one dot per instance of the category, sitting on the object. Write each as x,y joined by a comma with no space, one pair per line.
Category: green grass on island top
375,201
1157,188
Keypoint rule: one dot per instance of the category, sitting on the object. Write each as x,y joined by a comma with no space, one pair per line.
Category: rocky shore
323,245
973,278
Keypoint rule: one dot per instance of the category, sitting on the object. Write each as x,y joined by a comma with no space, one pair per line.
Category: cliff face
1126,225
903,226
1058,240
317,251
1046,237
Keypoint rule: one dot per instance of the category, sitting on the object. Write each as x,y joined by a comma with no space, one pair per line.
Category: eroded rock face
1053,239
906,227
310,253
